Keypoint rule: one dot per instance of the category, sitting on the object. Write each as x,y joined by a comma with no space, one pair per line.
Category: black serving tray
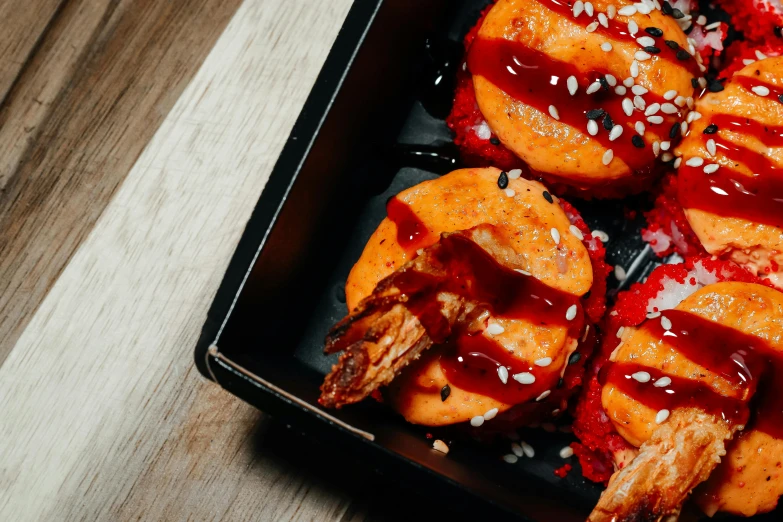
372,126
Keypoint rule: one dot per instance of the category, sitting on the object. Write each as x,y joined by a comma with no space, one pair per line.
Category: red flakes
744,50
563,471
757,19
667,213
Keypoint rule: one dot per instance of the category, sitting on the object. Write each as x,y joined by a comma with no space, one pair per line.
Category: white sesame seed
702,82
661,416
523,272
711,147
695,162
639,103
689,102
514,173
677,163
620,90
627,106
611,80
628,82
760,55
608,155
652,109
510,192
553,112
691,49
611,12
653,315
627,10
571,313
578,8
641,376
619,273
544,361
517,449
669,108
477,421
543,396
693,116
656,146
683,128
606,47
642,8
620,332
679,101
603,20
572,85
555,235
592,127
655,120
748,61
639,90
663,382
555,411
761,90
511,459
576,232
666,323
441,446
645,41
592,26
566,452
528,449
589,9
616,132
665,145
639,126
524,378
713,25
600,234
634,68
495,329
712,168
642,55
670,95
701,20
491,414
503,374
667,156
593,87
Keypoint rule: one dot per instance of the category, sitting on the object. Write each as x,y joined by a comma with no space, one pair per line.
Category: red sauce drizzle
728,192
412,233
618,30
471,360
748,82
539,81
743,360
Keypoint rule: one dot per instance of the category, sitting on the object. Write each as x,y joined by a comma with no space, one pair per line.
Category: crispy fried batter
680,455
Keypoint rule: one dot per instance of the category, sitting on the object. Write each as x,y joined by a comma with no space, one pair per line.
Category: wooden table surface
135,139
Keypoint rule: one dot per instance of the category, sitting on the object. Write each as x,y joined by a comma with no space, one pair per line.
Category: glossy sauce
412,233
471,359
539,81
743,360
728,192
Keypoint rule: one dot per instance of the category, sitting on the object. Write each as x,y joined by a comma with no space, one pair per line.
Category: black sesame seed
671,44
604,83
695,83
654,31
711,129
778,31
503,180
608,123
652,49
560,382
682,54
548,197
674,131
595,114
494,141
780,98
575,357
666,8
637,141
677,14
714,86
445,392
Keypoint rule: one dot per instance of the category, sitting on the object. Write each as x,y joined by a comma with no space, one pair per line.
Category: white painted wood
102,414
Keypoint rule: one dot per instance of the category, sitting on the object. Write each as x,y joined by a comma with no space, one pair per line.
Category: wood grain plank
23,23
102,414
140,56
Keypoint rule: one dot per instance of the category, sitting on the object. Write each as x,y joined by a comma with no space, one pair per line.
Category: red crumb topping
598,440
743,50
563,471
757,19
667,217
